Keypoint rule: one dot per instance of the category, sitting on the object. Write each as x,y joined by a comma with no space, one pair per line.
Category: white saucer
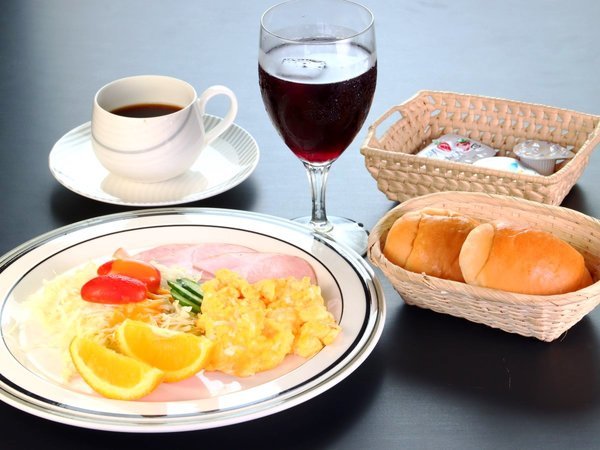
222,165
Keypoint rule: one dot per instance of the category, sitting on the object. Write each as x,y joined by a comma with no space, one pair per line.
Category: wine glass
317,73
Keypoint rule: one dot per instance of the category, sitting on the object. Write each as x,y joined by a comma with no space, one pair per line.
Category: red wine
318,104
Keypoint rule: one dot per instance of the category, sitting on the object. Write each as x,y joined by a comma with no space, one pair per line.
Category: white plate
222,165
350,288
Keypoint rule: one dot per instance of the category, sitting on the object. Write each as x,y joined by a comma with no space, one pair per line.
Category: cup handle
218,129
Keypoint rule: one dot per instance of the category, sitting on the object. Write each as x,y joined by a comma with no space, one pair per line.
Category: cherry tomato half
114,289
146,273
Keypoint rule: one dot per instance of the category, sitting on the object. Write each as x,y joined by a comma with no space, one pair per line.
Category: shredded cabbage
59,309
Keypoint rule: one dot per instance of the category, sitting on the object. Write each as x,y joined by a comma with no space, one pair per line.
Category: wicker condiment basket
542,317
501,124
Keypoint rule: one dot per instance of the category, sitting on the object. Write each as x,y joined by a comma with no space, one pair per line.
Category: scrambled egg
254,326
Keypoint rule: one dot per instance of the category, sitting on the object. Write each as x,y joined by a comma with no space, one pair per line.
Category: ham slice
205,259
256,266
184,255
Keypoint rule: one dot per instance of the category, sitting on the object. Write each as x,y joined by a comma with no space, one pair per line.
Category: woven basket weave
542,317
500,124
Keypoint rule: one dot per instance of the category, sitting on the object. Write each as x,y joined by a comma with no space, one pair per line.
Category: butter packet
505,163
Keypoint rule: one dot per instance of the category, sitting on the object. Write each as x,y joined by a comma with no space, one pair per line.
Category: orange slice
179,355
111,374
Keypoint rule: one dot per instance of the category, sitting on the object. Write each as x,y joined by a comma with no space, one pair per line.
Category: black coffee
142,110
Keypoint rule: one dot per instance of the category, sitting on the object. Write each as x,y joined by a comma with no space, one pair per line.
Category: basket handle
400,109
593,140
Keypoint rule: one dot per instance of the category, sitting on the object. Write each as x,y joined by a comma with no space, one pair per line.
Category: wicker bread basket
500,124
543,317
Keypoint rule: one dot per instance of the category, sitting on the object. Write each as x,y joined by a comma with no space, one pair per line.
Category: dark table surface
433,381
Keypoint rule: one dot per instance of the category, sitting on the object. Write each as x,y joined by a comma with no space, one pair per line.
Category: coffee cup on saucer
149,128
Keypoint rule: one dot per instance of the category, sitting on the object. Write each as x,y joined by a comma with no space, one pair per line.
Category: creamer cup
541,156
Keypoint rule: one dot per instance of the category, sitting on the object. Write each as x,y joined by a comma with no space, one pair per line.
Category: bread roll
516,258
429,241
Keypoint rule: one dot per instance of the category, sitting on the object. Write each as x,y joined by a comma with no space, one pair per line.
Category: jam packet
452,147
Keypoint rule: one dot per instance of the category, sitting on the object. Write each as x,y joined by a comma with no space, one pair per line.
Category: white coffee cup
153,149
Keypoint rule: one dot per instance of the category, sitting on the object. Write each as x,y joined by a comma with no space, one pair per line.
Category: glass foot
345,232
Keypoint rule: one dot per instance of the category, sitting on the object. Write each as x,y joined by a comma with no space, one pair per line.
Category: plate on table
222,165
32,382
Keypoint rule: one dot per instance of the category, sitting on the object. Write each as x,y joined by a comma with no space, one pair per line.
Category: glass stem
317,176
